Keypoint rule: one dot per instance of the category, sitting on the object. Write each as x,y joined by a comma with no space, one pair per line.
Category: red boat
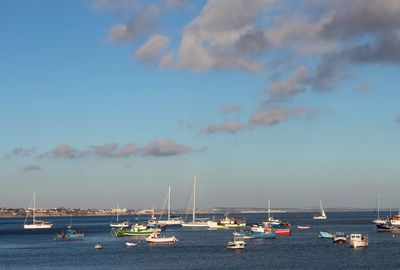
287,231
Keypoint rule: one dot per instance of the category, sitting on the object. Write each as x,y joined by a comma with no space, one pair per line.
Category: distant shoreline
200,212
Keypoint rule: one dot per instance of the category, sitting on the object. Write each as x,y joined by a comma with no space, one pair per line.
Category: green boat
136,230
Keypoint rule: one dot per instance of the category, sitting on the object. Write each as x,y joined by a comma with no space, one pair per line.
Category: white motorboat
36,224
227,223
237,243
195,222
156,239
131,244
358,240
322,215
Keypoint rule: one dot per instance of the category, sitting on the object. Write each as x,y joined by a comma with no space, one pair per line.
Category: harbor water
198,248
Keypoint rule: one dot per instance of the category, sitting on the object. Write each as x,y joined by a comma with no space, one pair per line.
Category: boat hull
326,235
37,226
195,224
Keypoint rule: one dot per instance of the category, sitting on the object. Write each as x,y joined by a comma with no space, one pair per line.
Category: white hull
216,225
119,225
37,226
195,224
320,217
161,240
170,223
356,244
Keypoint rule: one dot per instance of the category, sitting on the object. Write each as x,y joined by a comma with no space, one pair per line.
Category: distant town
62,211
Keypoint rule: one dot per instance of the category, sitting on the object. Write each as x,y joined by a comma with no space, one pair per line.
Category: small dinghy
131,244
98,246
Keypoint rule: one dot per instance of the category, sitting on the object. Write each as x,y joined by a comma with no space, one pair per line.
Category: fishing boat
378,219
131,244
124,224
303,227
339,238
69,235
358,240
260,231
329,235
156,239
172,221
395,220
227,223
195,222
136,230
240,232
36,224
237,243
322,215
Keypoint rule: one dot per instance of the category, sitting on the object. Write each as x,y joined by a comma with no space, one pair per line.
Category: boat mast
169,202
269,209
379,203
117,211
194,198
34,206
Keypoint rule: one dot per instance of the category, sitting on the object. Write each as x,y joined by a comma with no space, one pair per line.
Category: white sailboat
322,215
195,222
271,219
172,220
379,220
36,224
124,224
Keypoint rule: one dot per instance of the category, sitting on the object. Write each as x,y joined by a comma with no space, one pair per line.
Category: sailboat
124,224
36,224
378,220
172,221
195,222
323,215
270,219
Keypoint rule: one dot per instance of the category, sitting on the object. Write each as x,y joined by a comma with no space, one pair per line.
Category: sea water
198,248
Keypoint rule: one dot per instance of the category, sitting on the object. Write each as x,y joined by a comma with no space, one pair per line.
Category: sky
105,102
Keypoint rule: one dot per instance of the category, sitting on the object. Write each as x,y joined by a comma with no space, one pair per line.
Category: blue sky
113,101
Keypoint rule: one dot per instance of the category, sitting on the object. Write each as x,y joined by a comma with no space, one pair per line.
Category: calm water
199,248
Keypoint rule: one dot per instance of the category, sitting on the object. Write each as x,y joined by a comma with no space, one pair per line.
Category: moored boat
322,216
171,221
36,224
339,238
98,246
156,239
259,231
69,234
303,227
358,240
131,244
329,235
196,222
237,243
227,223
136,230
118,224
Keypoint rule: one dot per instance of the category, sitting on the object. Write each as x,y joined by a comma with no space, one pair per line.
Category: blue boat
328,235
69,234
259,231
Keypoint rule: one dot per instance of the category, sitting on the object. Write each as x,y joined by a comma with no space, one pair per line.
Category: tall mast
194,198
34,205
379,203
169,202
269,209
117,211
